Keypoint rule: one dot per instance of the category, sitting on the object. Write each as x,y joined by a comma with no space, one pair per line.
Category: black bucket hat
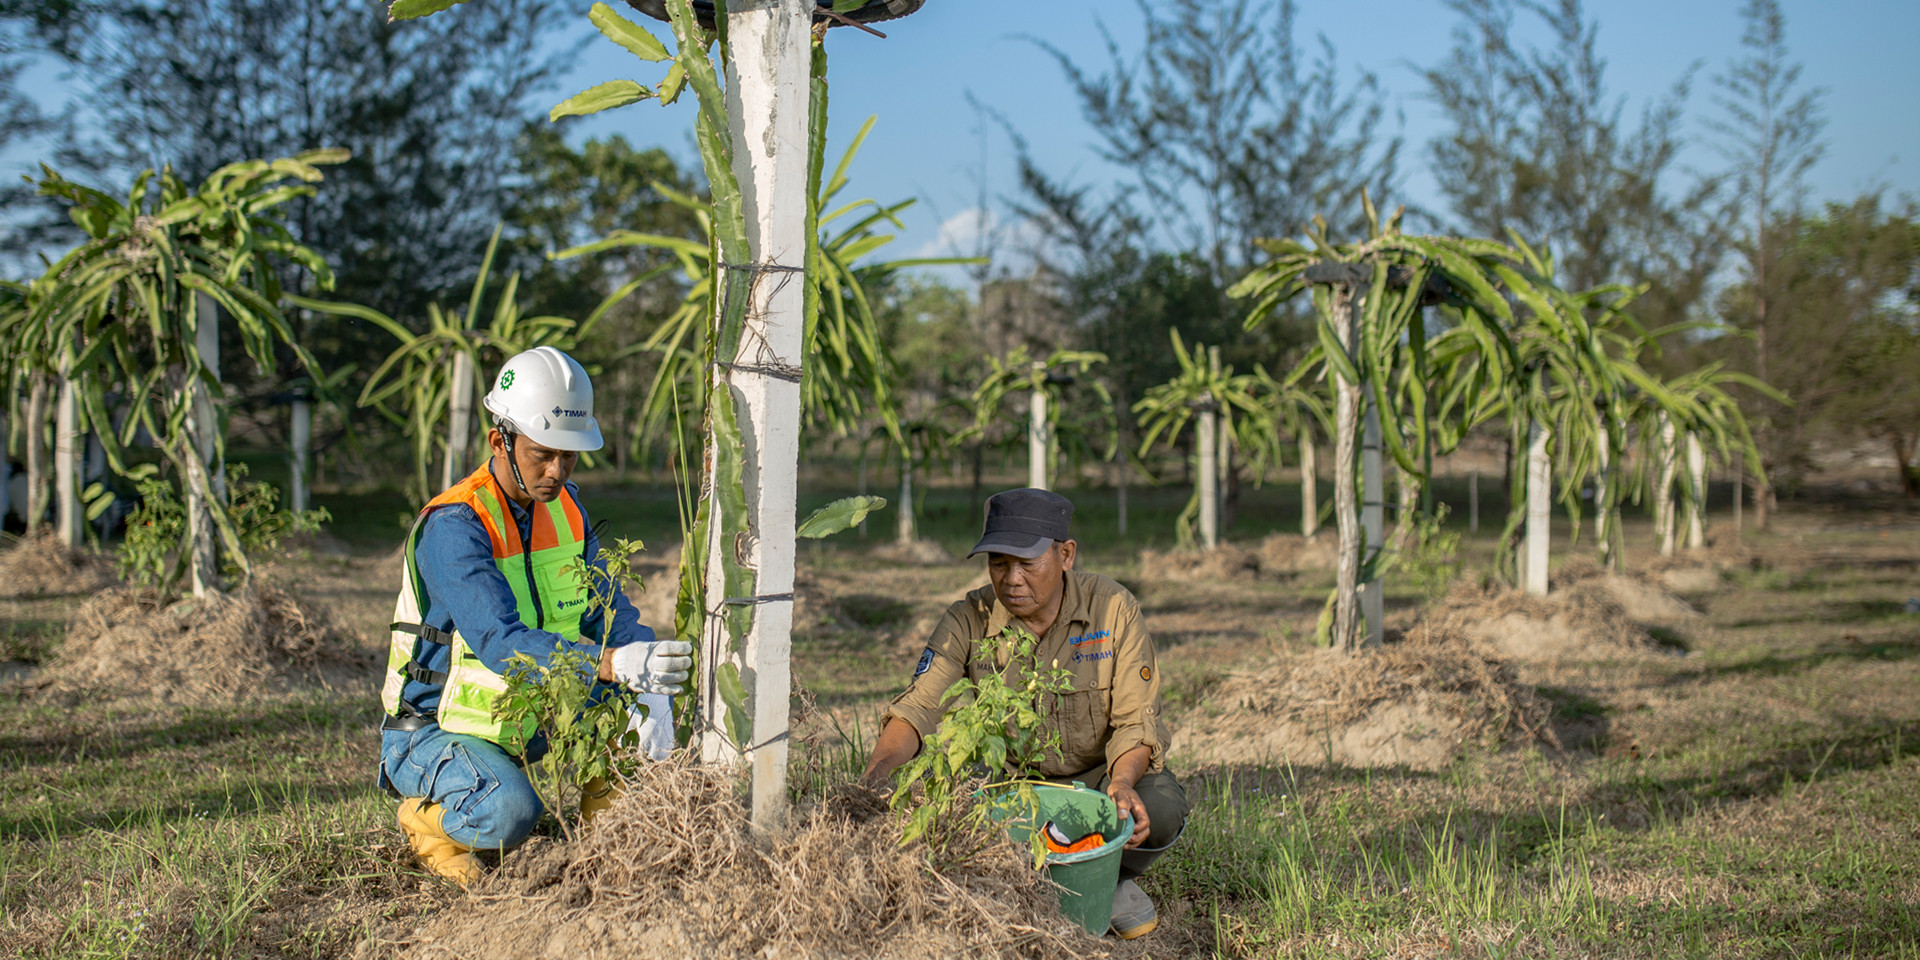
1024,523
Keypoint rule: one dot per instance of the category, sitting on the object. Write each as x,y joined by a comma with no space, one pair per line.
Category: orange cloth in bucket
1058,842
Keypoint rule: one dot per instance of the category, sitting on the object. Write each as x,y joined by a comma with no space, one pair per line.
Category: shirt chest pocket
563,597
1083,713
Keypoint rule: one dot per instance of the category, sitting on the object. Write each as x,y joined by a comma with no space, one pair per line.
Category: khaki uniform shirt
1115,702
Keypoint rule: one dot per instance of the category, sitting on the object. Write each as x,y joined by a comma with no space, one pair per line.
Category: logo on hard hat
562,412
506,380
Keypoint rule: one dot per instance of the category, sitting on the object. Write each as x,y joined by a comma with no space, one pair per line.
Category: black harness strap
414,670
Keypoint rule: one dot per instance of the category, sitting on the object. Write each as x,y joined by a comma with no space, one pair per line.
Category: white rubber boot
1133,913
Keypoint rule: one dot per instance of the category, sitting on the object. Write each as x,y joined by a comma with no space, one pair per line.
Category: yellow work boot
597,795
421,821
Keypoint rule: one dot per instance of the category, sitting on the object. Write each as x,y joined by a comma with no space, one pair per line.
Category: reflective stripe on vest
545,592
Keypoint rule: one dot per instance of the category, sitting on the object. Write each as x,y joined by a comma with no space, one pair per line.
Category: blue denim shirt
467,591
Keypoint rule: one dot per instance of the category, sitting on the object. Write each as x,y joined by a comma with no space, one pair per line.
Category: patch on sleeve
926,662
1146,673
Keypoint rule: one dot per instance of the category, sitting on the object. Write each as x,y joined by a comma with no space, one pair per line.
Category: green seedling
587,737
1003,728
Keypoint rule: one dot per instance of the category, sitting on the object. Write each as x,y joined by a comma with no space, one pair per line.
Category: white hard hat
545,396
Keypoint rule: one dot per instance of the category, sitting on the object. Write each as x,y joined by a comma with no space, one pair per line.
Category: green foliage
1203,385
585,726
1167,408
119,313
842,514
150,555
851,374
417,377
1002,728
1431,557
1020,373
582,730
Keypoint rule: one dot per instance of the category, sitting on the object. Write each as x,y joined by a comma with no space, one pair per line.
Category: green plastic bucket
1087,878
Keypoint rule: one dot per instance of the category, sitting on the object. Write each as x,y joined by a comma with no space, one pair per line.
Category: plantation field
1748,788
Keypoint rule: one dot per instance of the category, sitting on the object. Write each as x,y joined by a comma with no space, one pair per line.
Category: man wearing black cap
1112,736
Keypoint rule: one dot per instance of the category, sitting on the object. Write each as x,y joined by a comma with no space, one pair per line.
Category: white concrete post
67,444
768,106
6,476
1222,451
459,420
301,496
1600,511
1204,477
1473,500
1039,440
1309,488
1663,513
1373,518
1696,492
210,475
903,531
1533,577
35,508
1346,512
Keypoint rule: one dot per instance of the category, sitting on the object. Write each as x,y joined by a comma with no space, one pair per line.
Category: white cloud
976,232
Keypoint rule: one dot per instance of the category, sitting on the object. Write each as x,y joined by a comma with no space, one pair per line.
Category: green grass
156,832
1756,798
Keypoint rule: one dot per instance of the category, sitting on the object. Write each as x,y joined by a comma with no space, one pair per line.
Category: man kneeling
490,574
1111,733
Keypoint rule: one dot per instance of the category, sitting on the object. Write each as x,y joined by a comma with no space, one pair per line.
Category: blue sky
927,141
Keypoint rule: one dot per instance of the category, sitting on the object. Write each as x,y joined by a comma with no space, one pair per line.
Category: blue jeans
490,805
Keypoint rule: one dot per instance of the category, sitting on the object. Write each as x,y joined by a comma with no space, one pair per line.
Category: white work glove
656,728
661,666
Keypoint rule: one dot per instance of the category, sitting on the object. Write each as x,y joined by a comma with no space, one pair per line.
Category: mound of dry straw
914,553
1588,613
673,870
1415,703
223,647
41,566
1278,556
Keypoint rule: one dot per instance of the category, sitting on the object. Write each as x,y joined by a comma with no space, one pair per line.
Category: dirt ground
1715,760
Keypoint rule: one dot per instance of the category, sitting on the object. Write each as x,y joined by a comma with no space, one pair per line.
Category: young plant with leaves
980,760
581,729
433,377
1373,345
1046,382
1225,409
127,307
852,378
157,524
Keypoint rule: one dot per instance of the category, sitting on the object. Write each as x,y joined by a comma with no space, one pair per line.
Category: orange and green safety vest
545,590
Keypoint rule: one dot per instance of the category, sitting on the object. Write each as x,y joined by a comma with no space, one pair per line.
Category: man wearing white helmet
487,577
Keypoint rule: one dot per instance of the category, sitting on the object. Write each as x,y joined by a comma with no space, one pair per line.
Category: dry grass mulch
41,565
128,641
674,870
1588,613
1415,703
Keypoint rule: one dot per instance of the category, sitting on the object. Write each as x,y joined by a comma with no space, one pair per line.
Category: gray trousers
1166,802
